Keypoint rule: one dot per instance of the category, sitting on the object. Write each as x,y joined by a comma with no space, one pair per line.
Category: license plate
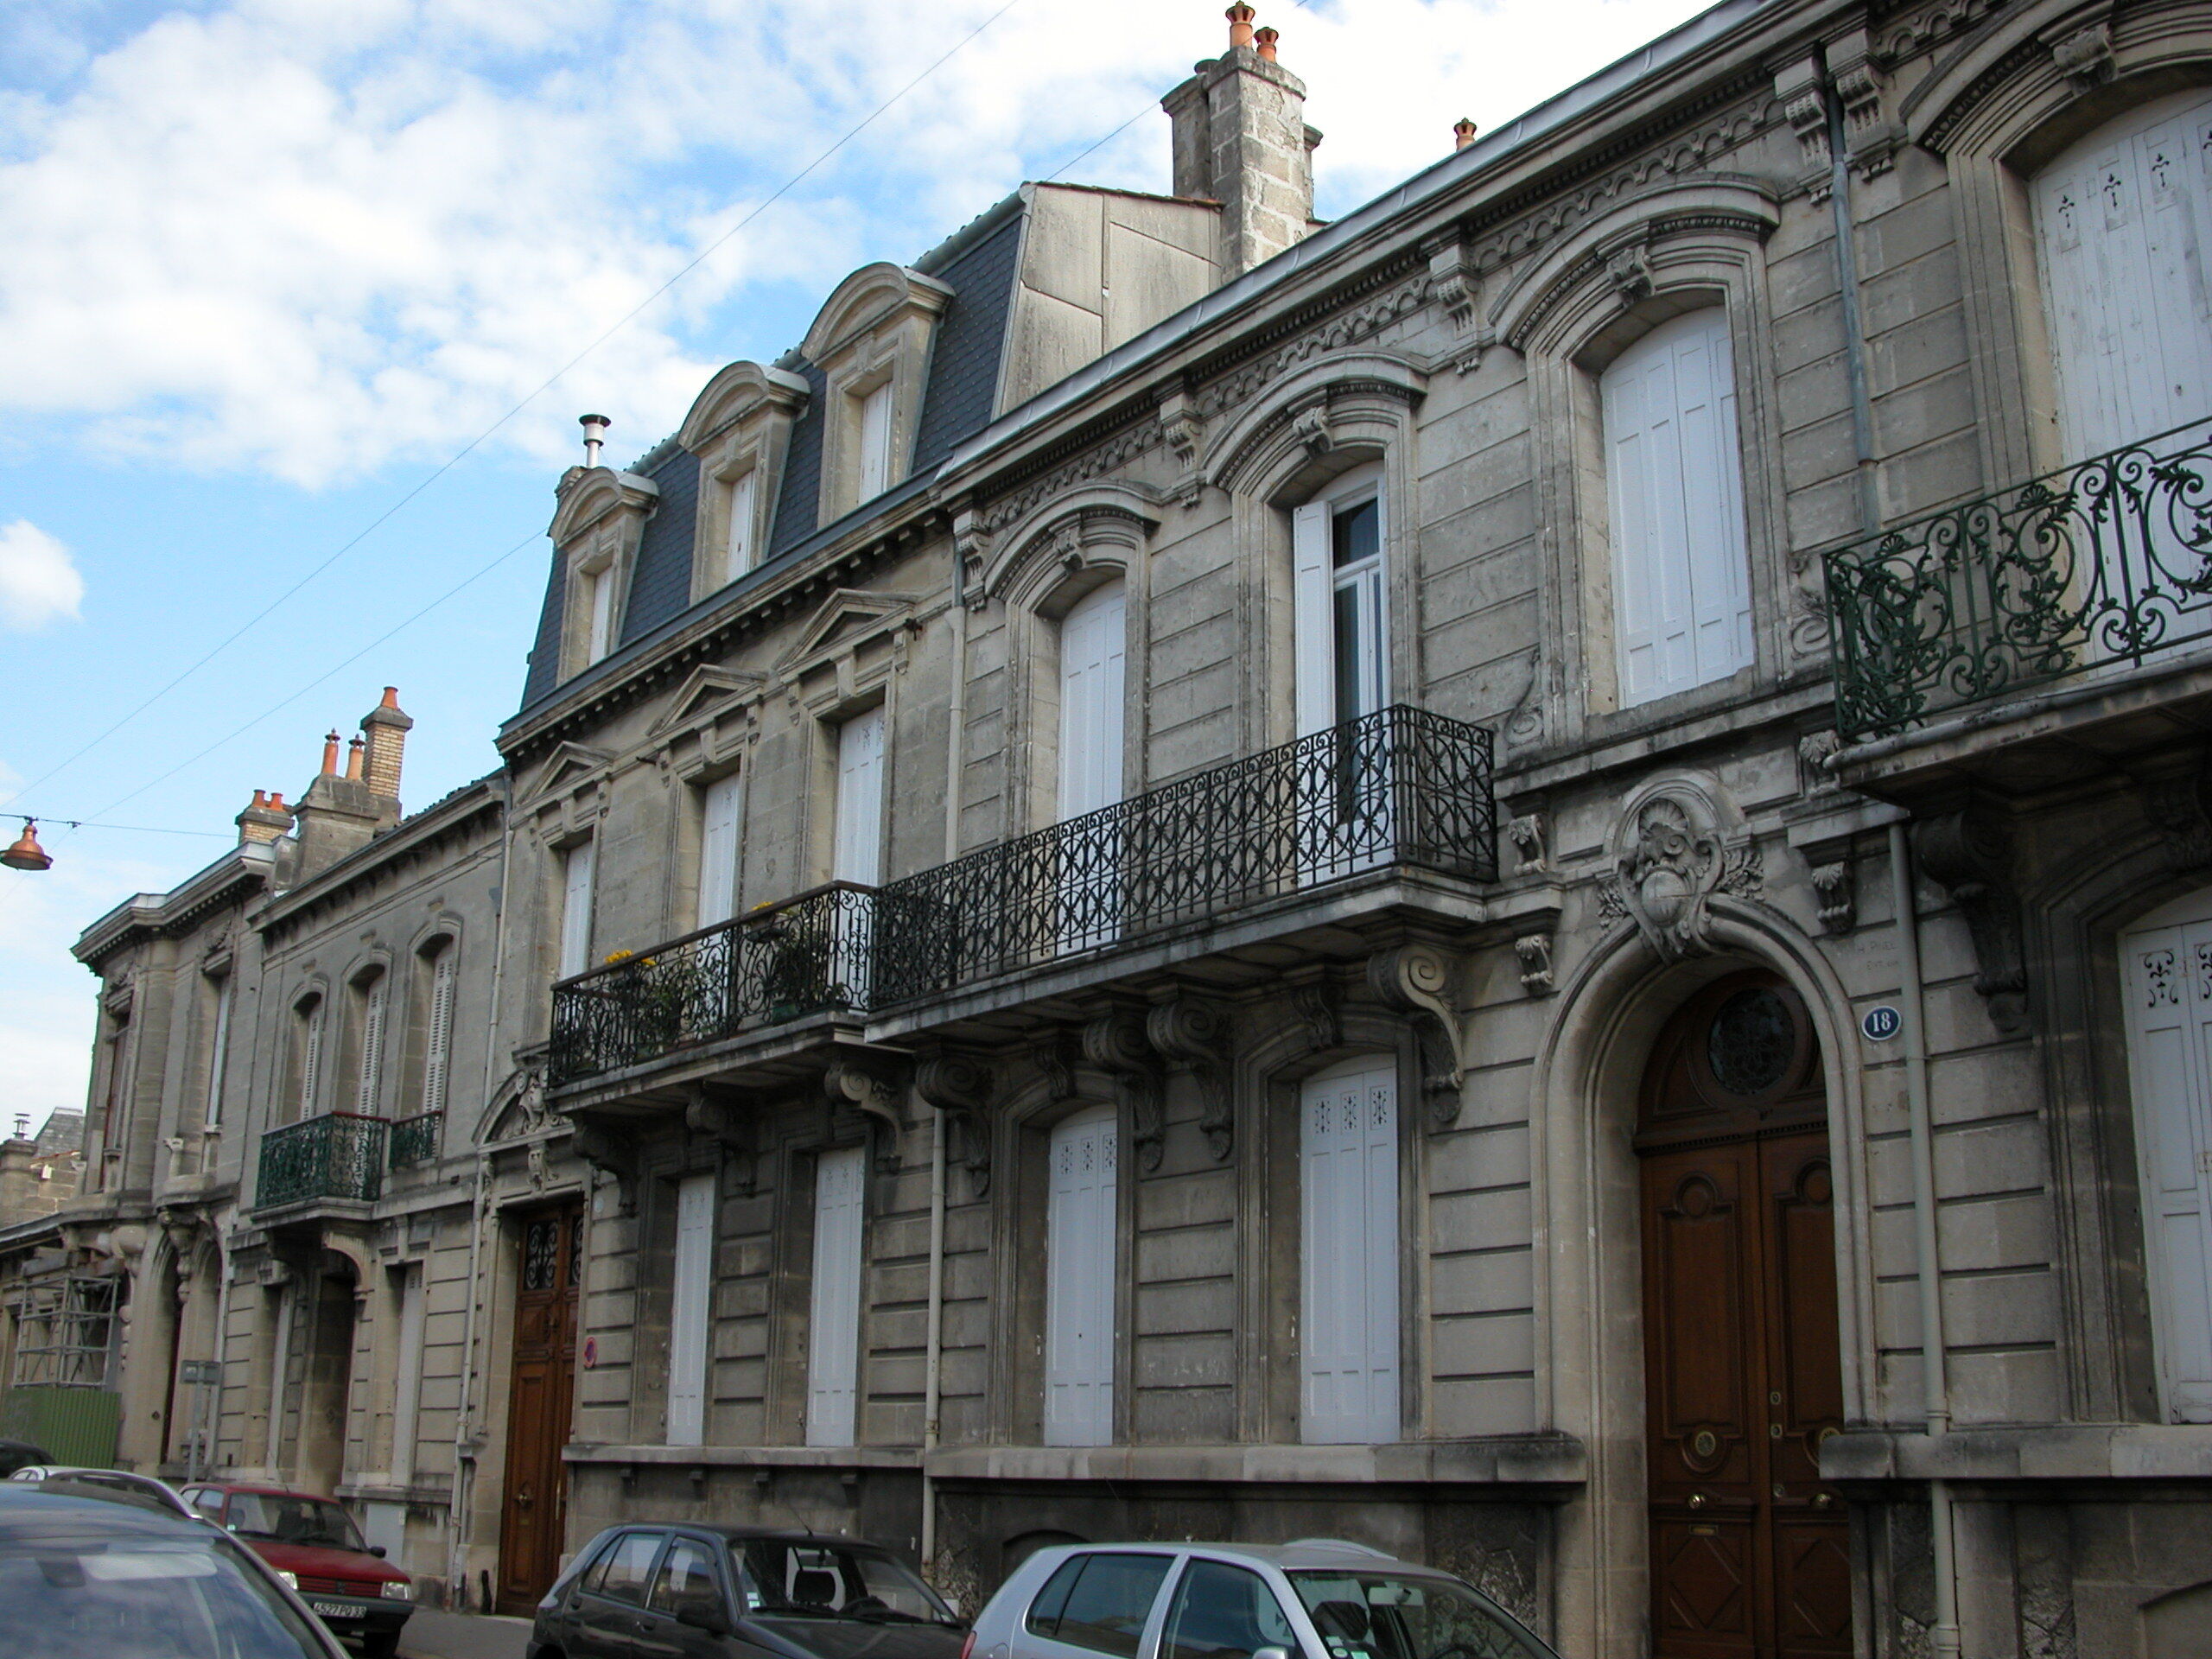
334,1609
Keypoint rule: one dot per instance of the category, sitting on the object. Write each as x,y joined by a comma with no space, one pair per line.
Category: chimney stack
1463,133
263,820
330,753
594,428
1241,139
353,748
386,728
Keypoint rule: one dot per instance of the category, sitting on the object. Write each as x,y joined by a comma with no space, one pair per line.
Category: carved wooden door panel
1749,1554
535,1499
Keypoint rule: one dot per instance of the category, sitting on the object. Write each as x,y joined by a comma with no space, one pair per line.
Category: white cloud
291,236
38,581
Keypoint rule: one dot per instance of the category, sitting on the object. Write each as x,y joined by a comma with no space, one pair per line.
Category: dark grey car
699,1591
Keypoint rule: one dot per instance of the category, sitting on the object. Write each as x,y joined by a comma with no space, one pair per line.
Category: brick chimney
1241,139
264,819
385,727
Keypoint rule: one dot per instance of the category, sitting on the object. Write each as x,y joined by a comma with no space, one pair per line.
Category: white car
103,1483
1322,1598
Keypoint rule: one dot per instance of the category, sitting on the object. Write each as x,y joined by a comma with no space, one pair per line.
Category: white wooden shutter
2124,223
310,1057
1080,1271
718,849
691,1313
369,1086
1348,1327
859,855
1093,647
875,442
1681,586
575,909
738,546
833,1367
406,1407
437,1047
602,638
218,1054
1313,619
2169,972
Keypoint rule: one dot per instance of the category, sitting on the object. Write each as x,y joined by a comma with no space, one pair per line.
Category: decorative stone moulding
873,1093
1679,841
960,1085
1969,853
1117,1044
1416,980
1193,1033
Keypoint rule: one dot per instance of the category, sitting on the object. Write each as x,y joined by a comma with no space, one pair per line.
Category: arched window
1341,621
442,960
368,1021
307,1054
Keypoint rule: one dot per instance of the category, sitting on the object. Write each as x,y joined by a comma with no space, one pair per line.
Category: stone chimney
337,814
385,727
1241,139
264,819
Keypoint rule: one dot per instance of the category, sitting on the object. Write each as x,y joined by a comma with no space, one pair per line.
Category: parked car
103,1483
314,1548
85,1578
716,1593
1322,1598
14,1454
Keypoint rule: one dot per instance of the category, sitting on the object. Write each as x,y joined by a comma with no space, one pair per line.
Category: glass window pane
629,1568
686,1578
1381,1616
190,1597
1355,533
1224,1613
1045,1611
1111,1599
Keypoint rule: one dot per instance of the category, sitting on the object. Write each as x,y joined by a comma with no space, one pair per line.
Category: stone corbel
1194,1035
972,548
2179,807
2084,56
1314,1012
611,1151
1185,428
1527,831
960,1086
1863,89
1798,86
1628,271
875,1096
1968,853
1115,1043
1816,753
1416,980
733,1129
1535,950
1456,289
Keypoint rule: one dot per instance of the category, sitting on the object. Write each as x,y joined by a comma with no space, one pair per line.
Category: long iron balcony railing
1402,787
337,1155
2105,562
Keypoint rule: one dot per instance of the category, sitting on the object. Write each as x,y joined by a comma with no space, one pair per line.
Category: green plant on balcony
795,978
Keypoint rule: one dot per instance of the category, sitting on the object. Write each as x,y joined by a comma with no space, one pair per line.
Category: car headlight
291,1580
398,1589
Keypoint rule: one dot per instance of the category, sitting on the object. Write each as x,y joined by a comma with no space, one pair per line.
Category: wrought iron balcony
2107,563
337,1155
415,1140
1399,787
779,963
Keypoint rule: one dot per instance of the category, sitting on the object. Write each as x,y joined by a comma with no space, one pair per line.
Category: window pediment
737,390
1103,524
856,639
1347,400
873,298
596,499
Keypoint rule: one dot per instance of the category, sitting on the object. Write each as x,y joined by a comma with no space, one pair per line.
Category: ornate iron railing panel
415,1140
337,1155
779,963
1401,786
2107,562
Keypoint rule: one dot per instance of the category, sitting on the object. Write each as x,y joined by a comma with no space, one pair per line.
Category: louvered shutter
218,1054
311,1058
859,855
833,1367
1080,1268
1348,1328
690,1310
718,849
2169,973
369,1086
2124,227
437,1048
1313,619
576,910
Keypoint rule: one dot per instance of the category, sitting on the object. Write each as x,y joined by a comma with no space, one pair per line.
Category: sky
301,300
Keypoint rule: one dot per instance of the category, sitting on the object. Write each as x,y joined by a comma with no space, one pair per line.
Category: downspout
1854,340
457,1512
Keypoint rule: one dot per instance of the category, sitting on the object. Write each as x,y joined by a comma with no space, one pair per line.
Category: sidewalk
432,1635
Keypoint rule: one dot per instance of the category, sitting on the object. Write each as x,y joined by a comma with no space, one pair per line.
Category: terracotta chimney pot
330,754
1264,40
353,760
1463,133
1240,24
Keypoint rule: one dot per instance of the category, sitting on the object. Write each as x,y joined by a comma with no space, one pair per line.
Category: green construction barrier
76,1426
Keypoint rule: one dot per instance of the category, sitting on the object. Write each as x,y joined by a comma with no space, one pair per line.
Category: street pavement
432,1635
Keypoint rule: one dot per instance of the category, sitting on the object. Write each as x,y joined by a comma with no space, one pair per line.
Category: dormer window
871,343
740,427
602,518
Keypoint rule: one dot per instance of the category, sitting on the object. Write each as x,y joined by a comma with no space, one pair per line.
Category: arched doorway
1743,1377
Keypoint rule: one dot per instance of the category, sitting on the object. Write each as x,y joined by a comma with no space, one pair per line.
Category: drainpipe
206,1437
1855,341
1943,1640
932,1391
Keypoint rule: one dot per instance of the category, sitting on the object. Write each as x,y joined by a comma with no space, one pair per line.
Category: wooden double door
1750,1551
540,1395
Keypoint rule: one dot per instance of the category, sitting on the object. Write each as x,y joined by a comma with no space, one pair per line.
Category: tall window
2124,224
219,1048
737,546
1348,1327
437,1029
1341,621
306,1039
368,1021
1093,650
1681,585
407,1285
875,442
833,1367
1079,1256
858,855
721,807
599,632
691,1310
575,909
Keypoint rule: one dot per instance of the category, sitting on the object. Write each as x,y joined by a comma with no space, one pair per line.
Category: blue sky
272,263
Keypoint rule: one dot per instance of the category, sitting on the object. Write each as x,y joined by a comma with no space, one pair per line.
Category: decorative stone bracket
960,1085
1185,428
1968,853
2178,805
1416,980
1535,950
1674,849
1116,1043
875,1096
731,1127
1194,1034
611,1151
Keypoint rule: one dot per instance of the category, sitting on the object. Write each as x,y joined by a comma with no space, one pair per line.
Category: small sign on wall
1882,1022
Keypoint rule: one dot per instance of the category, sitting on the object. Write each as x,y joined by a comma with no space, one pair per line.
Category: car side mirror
712,1620
376,1550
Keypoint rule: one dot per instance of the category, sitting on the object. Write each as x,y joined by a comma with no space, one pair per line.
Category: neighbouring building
1527,877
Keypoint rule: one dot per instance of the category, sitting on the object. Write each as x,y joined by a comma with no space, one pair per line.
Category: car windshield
185,1597
276,1518
828,1581
1393,1616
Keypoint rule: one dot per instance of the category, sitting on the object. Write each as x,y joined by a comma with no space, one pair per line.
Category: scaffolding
65,1331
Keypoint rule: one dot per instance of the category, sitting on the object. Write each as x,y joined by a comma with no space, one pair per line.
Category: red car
314,1546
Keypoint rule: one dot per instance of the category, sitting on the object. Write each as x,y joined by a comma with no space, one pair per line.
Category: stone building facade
1490,879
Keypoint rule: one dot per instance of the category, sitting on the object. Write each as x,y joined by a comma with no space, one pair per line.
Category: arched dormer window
871,343
740,428
595,533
